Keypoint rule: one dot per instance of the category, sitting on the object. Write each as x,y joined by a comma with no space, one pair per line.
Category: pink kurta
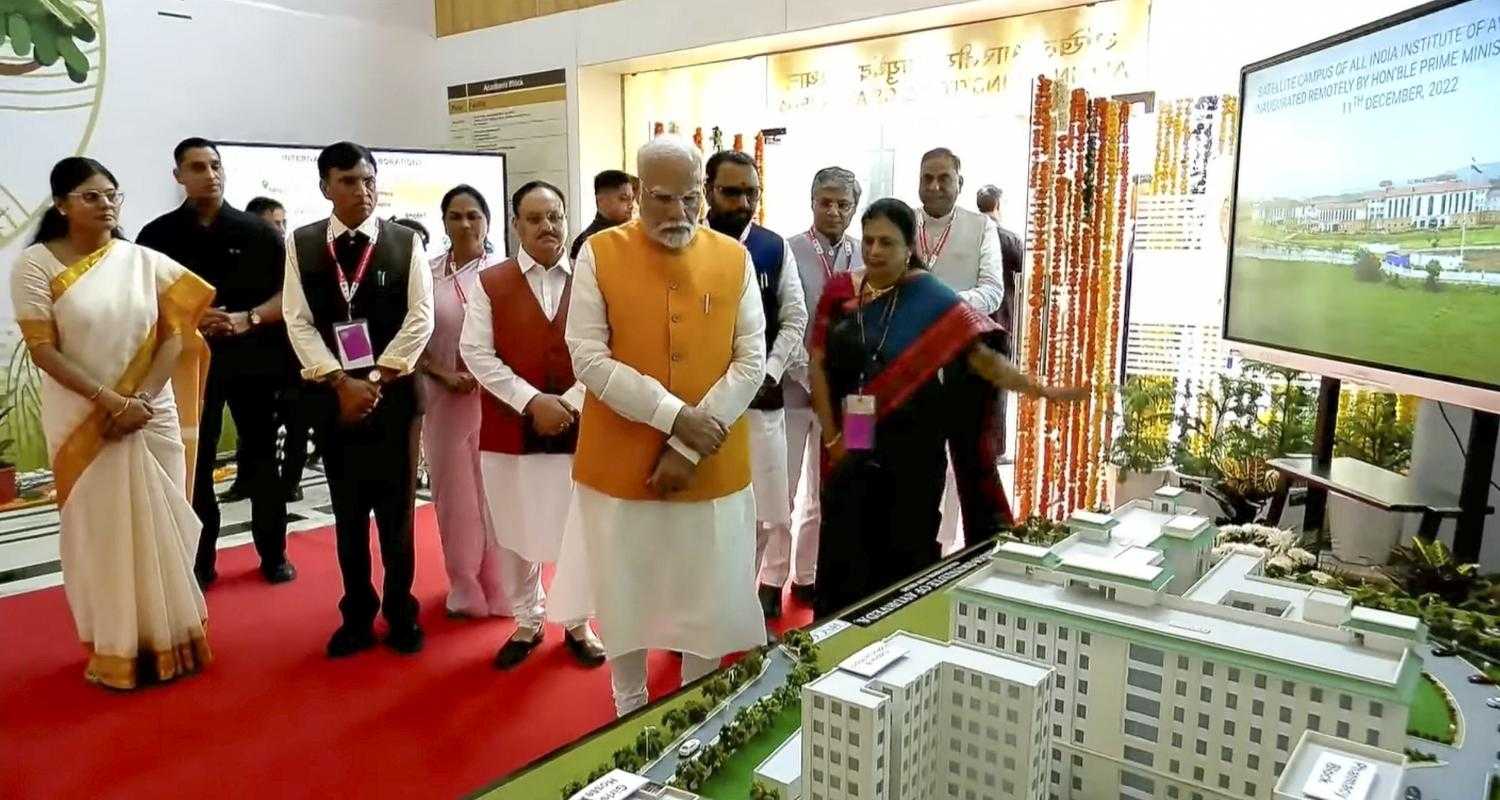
450,443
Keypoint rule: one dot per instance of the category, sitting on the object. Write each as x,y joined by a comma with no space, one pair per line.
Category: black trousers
293,414
372,468
252,403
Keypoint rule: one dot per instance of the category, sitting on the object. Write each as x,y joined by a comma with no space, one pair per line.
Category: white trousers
521,580
627,677
774,543
951,532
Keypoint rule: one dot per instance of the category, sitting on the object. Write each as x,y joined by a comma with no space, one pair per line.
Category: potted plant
1374,427
7,462
1138,456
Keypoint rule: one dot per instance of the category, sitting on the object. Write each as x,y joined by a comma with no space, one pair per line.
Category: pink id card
859,422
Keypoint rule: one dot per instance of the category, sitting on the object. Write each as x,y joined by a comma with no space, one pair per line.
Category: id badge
859,422
355,348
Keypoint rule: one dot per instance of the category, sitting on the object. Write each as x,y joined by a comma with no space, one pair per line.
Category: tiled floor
29,539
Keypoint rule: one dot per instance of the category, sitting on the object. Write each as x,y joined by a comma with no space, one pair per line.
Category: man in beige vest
962,248
668,336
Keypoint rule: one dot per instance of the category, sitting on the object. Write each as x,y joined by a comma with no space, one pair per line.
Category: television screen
411,183
1366,239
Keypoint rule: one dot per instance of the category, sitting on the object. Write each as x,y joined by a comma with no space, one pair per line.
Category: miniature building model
911,719
1179,682
1327,768
621,785
782,770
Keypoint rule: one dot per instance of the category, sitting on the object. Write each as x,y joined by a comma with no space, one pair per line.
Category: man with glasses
733,190
821,252
667,333
242,258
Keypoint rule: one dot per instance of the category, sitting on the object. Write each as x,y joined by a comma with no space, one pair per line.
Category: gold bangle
835,440
97,392
123,409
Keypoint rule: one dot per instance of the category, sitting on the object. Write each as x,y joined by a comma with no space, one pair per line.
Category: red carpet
272,717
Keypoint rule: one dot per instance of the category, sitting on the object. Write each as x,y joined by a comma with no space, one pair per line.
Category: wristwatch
255,319
376,376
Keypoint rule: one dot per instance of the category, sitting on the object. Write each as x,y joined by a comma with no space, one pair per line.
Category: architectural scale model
908,717
1177,679
1124,662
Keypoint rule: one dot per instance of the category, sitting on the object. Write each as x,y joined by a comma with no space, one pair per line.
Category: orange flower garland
1040,185
1079,185
698,138
739,142
760,167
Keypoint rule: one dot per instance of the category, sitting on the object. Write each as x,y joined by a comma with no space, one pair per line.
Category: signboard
1101,45
523,116
1340,777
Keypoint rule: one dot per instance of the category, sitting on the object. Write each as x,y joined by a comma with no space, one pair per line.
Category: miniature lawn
1432,718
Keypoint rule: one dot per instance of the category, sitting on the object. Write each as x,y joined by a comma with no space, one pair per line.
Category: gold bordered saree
129,534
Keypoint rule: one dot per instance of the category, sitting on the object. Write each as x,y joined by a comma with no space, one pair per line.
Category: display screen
411,183
1367,198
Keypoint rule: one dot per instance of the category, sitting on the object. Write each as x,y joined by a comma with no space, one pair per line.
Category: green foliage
759,791
572,788
1434,270
696,711
1375,427
1367,267
1145,423
1039,531
1424,567
23,423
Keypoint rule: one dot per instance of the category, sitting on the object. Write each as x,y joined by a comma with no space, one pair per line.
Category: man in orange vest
513,345
668,335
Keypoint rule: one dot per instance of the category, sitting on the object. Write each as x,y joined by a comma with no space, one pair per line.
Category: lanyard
830,260
349,288
930,253
885,319
458,286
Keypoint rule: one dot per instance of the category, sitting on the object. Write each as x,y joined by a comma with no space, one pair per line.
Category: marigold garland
1040,183
698,138
760,167
1078,189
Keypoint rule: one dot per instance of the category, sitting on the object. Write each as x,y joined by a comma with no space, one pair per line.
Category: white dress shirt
643,399
477,342
969,261
405,349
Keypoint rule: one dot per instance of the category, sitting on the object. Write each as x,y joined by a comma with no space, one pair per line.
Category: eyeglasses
738,192
94,198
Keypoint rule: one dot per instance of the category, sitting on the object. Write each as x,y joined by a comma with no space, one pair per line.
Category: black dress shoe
206,577
770,601
348,640
406,639
805,592
283,573
234,494
294,496
588,650
516,650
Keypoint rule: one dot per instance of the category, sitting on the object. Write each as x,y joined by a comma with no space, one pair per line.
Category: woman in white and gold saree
114,329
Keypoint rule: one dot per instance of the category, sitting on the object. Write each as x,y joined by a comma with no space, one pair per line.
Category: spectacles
738,192
94,198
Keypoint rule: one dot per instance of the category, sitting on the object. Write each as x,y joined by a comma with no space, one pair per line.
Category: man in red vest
513,344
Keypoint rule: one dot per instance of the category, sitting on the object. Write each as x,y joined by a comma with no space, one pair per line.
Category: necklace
874,356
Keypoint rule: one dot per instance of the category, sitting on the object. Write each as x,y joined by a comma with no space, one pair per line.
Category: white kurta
768,460
528,495
655,574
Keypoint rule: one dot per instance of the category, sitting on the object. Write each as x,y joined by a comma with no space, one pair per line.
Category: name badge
859,422
355,348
